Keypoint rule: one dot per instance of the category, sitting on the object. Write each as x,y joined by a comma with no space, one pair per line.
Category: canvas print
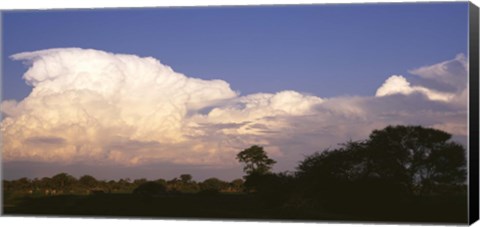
328,112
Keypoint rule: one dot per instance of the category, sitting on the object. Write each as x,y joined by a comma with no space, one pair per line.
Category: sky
159,92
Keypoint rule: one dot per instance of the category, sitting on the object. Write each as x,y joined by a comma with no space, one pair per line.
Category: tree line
393,166
63,183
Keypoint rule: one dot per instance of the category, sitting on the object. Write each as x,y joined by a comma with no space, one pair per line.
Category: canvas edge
473,171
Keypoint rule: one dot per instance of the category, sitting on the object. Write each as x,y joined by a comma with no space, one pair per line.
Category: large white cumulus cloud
90,105
95,101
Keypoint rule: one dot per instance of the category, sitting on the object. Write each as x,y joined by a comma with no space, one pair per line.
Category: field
225,206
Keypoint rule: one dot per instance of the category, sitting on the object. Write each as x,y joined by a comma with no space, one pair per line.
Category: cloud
447,82
128,109
90,106
453,74
93,99
10,107
399,85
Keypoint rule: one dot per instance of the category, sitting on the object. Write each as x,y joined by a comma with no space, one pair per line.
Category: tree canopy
87,181
256,160
394,161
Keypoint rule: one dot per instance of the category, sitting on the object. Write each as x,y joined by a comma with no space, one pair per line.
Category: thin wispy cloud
93,106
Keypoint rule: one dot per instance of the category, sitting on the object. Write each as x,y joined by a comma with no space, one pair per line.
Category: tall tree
256,160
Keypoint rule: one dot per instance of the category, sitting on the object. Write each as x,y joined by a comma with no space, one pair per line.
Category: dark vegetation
398,174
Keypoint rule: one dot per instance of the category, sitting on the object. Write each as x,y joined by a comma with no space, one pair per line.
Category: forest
398,174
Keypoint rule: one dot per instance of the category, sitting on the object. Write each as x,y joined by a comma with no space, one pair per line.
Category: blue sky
326,50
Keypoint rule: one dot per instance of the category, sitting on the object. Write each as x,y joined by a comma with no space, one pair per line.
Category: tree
331,178
255,160
393,163
186,185
63,181
237,185
161,181
212,185
140,181
422,159
87,181
46,183
186,178
22,184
